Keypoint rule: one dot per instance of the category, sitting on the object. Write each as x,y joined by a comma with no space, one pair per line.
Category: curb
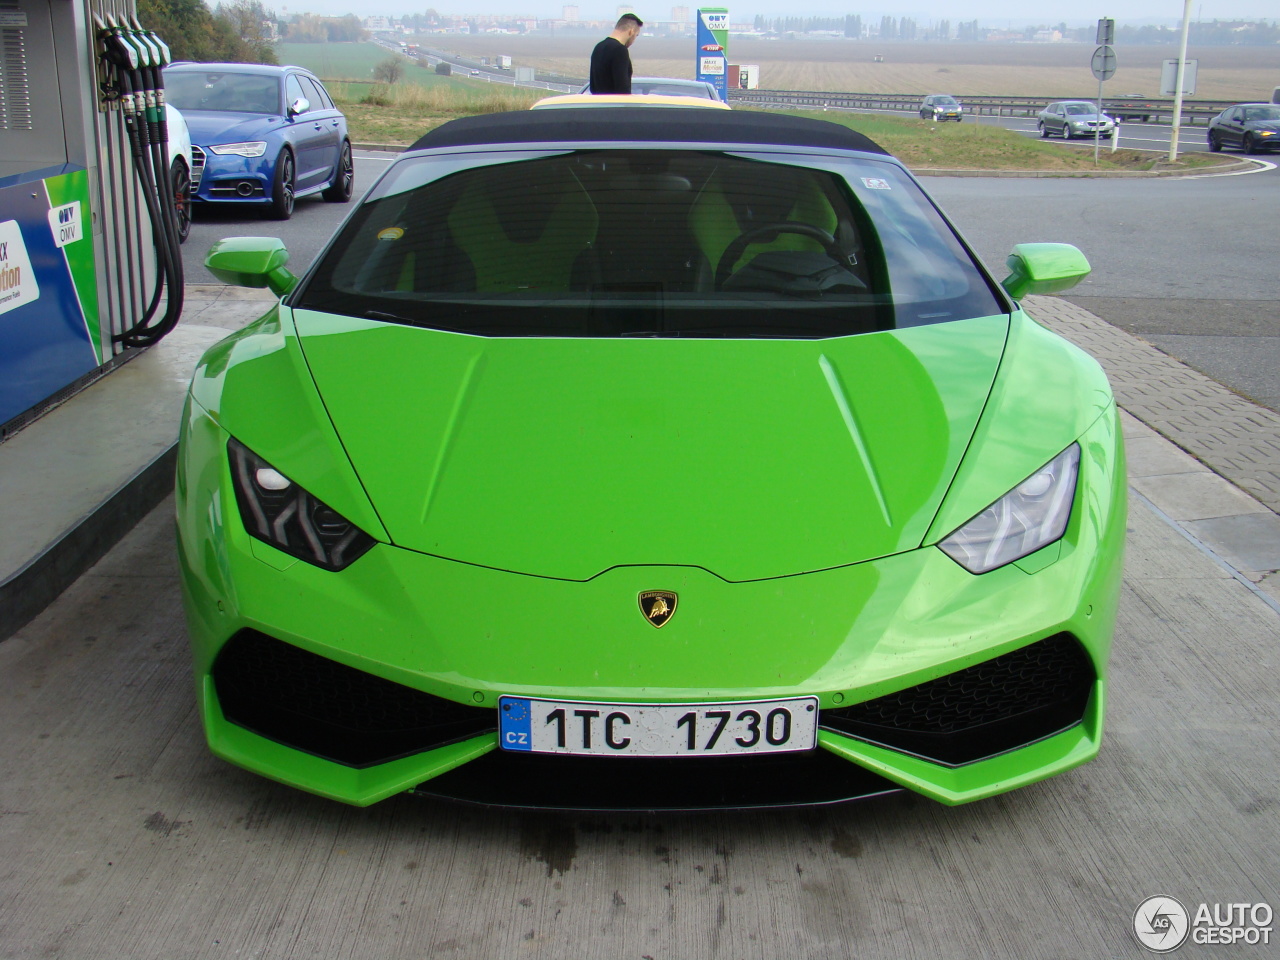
1236,167
27,592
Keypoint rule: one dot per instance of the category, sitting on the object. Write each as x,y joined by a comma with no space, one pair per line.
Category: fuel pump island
89,260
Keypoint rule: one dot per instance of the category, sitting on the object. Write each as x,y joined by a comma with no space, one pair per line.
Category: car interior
642,243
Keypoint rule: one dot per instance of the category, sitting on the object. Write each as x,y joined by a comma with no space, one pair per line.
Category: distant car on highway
1133,106
941,106
669,87
1251,127
261,135
1074,118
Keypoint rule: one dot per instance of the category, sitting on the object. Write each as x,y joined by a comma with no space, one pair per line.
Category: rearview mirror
1044,268
252,262
301,105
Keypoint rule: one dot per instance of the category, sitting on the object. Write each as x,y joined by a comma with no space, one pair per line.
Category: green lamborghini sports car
649,459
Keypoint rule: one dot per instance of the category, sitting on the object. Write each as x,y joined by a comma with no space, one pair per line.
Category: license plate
532,725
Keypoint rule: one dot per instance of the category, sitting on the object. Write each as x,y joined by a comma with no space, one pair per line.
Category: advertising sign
711,58
48,288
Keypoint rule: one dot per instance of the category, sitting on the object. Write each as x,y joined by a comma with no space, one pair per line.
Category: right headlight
251,148
278,511
1032,515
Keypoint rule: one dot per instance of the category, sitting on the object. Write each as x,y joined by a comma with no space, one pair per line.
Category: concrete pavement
122,837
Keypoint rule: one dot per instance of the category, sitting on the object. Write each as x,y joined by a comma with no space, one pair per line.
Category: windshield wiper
393,317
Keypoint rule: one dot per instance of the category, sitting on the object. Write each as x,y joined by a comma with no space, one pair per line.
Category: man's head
627,29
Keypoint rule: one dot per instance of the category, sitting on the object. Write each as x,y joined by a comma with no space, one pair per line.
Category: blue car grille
231,189
989,708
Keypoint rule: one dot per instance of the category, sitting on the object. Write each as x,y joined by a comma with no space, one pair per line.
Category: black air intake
315,704
989,708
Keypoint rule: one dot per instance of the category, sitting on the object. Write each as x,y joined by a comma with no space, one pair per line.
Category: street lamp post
1177,93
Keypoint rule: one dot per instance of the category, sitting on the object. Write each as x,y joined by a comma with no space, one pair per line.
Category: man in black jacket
610,61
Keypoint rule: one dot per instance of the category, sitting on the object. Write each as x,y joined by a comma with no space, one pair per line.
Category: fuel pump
135,58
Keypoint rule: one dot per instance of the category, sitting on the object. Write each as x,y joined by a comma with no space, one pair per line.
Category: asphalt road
1186,263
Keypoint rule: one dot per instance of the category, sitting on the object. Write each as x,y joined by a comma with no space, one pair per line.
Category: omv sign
711,55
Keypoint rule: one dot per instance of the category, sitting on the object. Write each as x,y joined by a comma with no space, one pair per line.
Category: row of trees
194,32
241,31
1215,33
891,28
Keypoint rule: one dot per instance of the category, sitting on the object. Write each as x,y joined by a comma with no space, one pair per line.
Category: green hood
565,457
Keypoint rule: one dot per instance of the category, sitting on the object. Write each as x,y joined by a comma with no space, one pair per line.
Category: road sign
1104,62
1106,32
1169,78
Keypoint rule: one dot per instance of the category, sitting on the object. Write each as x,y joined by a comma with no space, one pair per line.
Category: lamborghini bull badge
658,606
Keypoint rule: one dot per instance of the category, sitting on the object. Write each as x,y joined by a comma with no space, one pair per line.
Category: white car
180,169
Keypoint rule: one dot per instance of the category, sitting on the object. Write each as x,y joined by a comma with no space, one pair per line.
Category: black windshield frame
793,293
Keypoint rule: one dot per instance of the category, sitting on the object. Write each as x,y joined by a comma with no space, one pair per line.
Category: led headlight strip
1032,515
278,511
250,148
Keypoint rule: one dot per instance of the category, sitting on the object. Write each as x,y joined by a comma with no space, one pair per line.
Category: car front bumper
225,179
453,637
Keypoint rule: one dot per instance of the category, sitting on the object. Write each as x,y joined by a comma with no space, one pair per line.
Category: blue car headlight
1032,515
251,148
278,511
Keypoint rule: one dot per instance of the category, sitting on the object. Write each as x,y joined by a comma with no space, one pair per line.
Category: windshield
945,101
1262,113
1081,109
191,90
669,89
648,242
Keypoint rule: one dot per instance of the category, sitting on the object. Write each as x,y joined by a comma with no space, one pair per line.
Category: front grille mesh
197,167
997,705
321,706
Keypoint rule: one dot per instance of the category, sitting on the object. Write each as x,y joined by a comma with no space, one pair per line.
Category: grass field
1049,70
923,145
401,113
336,62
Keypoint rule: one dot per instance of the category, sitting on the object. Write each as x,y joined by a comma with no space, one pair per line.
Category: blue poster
711,60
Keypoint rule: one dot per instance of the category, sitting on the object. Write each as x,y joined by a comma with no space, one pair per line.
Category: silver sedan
1074,118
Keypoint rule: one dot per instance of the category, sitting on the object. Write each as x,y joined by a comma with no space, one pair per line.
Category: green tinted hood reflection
566,457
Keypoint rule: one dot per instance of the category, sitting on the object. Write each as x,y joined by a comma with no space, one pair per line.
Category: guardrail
1123,108
1193,111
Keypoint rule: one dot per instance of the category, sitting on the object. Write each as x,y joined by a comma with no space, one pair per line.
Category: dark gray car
1074,118
1251,127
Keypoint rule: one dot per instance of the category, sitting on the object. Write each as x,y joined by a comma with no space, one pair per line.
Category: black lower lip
632,784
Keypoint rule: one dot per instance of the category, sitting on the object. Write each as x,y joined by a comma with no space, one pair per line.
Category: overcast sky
989,12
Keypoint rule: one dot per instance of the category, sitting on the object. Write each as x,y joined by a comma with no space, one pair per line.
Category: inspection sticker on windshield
875,183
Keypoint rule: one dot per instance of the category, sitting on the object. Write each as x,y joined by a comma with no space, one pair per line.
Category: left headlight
1032,515
254,148
278,511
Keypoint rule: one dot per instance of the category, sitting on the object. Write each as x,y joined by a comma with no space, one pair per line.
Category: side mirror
1044,268
301,105
252,262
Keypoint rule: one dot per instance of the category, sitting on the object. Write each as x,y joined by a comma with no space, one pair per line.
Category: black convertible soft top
642,124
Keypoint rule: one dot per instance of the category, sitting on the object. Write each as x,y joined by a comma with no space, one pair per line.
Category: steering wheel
768,233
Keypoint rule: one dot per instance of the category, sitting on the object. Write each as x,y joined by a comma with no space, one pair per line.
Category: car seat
534,234
724,210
